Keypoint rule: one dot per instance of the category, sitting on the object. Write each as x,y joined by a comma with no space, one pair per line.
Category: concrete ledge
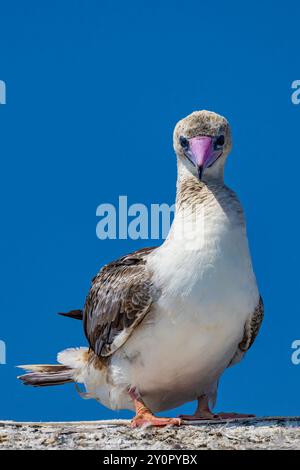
252,433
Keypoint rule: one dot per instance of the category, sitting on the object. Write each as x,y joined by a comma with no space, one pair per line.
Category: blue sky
94,90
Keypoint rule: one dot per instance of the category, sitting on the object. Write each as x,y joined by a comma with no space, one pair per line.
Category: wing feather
120,297
251,330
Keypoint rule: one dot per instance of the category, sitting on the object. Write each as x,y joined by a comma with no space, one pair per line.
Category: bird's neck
190,190
205,207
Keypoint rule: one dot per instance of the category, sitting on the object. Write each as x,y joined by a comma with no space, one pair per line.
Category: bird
164,323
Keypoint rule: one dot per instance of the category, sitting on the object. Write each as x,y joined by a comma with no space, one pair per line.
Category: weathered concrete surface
253,433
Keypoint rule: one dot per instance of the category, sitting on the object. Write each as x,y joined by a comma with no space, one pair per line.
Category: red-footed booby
164,323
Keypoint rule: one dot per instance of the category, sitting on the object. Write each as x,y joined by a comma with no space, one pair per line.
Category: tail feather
72,363
75,314
45,375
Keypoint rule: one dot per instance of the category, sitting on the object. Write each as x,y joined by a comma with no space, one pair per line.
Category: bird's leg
144,417
203,412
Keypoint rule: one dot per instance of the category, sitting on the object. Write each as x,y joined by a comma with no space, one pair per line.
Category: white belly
175,356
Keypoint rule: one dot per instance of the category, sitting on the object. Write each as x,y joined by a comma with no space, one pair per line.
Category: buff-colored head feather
201,123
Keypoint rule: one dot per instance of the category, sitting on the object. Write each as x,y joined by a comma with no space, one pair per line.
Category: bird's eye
184,142
220,141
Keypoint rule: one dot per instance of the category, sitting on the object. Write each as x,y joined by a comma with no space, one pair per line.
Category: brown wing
251,330
120,297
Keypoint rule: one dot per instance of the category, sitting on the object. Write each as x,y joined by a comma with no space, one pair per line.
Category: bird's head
202,142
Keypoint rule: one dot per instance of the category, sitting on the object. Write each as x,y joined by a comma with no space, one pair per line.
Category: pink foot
147,419
144,416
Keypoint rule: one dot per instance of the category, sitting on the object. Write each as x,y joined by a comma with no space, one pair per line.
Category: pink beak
201,153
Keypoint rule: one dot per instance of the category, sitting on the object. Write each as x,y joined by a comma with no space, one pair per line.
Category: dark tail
76,314
44,375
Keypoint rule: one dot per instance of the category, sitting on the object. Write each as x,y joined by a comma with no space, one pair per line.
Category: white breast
208,292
